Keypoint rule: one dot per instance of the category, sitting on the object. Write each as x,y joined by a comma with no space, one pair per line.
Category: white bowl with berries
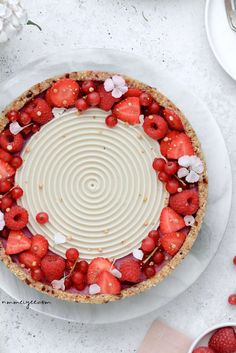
220,338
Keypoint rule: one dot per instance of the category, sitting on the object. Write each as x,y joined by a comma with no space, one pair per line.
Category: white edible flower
138,254
58,284
15,128
94,289
141,119
57,112
12,17
2,221
116,85
192,167
59,238
116,273
189,220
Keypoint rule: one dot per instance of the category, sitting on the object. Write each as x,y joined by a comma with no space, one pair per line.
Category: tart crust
192,235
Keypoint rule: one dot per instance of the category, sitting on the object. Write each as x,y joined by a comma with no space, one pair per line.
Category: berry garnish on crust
108,283
180,146
173,119
170,221
63,93
97,266
185,202
39,111
53,267
155,126
11,143
17,242
172,242
130,271
16,218
128,110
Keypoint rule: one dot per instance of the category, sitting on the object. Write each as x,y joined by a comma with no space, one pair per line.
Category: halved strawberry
165,143
133,92
172,242
180,146
96,266
170,221
108,283
173,119
17,242
6,170
64,93
128,110
106,99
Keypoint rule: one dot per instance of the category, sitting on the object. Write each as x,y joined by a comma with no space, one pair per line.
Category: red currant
68,283
172,185
13,115
234,260
42,217
16,162
154,108
16,193
35,128
158,257
111,121
72,254
162,176
80,286
145,99
5,156
154,234
24,118
81,104
6,202
171,167
149,271
5,186
88,86
69,264
93,99
37,274
4,233
148,244
82,266
232,299
158,164
78,278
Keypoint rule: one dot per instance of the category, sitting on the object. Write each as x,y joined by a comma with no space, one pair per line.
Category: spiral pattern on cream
97,184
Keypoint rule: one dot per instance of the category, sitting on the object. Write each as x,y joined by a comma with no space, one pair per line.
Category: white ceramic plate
221,37
203,339
220,188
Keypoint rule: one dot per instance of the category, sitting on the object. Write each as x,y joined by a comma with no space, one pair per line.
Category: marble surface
172,33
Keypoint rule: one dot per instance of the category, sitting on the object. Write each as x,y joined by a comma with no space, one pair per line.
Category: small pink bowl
203,339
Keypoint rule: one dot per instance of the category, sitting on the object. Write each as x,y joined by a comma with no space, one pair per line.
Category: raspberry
53,267
39,245
155,126
16,218
130,270
185,202
11,143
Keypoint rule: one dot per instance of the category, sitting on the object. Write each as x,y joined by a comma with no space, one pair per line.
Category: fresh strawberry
133,92
170,221
130,270
128,110
64,93
203,350
16,218
48,97
96,266
223,340
53,267
165,143
108,283
17,242
29,260
155,126
172,242
6,170
39,245
39,111
106,99
180,146
173,119
185,202
11,143
5,156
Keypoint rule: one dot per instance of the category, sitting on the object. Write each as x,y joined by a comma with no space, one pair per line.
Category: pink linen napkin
161,338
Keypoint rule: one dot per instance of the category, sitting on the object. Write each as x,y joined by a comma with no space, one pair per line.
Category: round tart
103,187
